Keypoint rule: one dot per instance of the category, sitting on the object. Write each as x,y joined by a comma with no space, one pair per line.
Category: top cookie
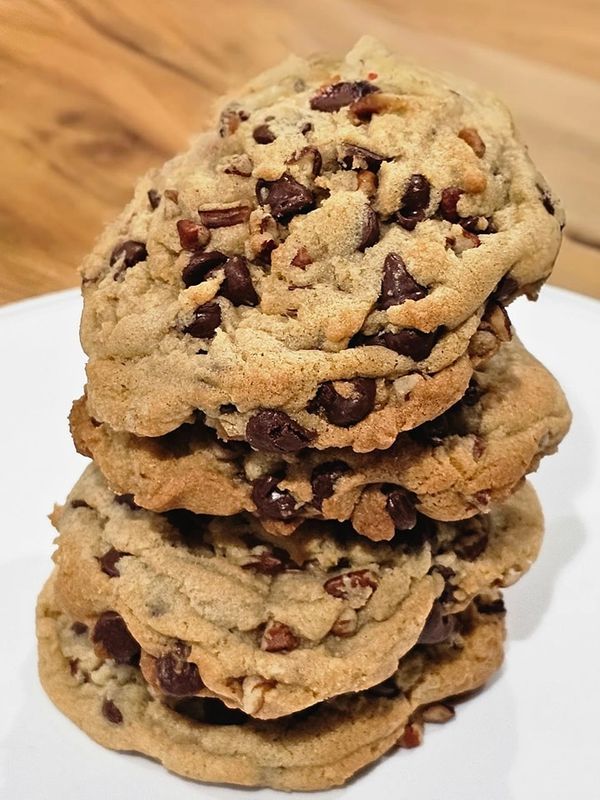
348,223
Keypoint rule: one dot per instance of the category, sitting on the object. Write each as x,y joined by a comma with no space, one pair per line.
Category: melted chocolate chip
271,501
210,711
506,289
153,199
200,265
207,319
370,230
114,640
262,134
176,677
127,500
192,235
108,562
346,411
285,196
274,431
337,95
356,157
408,342
224,217
387,689
490,606
416,195
79,628
397,285
237,286
323,479
79,504
111,712
448,203
471,541
400,505
131,253
438,628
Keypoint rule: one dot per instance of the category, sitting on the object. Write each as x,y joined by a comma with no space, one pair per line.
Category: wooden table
92,93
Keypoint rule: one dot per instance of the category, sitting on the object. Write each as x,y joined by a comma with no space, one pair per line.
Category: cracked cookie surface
513,413
316,273
203,740
273,625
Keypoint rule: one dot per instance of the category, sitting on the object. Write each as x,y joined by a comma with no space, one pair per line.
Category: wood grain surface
92,93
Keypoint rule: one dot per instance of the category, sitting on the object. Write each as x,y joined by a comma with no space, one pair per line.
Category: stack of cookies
310,423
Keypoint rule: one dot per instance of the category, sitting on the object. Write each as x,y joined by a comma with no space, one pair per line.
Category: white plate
532,734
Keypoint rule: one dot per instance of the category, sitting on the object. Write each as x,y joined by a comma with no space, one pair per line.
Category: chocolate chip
224,217
306,128
408,342
438,628
274,431
271,501
262,134
200,265
278,637
356,157
416,195
414,539
447,573
73,666
285,196
176,677
323,479
409,223
79,628
448,203
111,712
343,585
473,393
370,229
114,640
473,139
337,95
400,505
342,410
476,225
207,319
153,199
506,289
210,711
192,235
108,562
130,252
546,200
237,287
127,500
472,540
267,563
79,504
397,284
490,606
387,689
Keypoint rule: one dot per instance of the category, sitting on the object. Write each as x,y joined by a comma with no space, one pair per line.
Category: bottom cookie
200,738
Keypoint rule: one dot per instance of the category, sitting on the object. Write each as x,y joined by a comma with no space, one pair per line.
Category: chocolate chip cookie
201,738
273,625
315,273
512,414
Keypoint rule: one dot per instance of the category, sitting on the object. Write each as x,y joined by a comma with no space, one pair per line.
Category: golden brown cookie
273,625
315,272
513,413
202,739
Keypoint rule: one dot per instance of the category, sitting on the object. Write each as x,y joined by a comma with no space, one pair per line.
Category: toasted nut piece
438,713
